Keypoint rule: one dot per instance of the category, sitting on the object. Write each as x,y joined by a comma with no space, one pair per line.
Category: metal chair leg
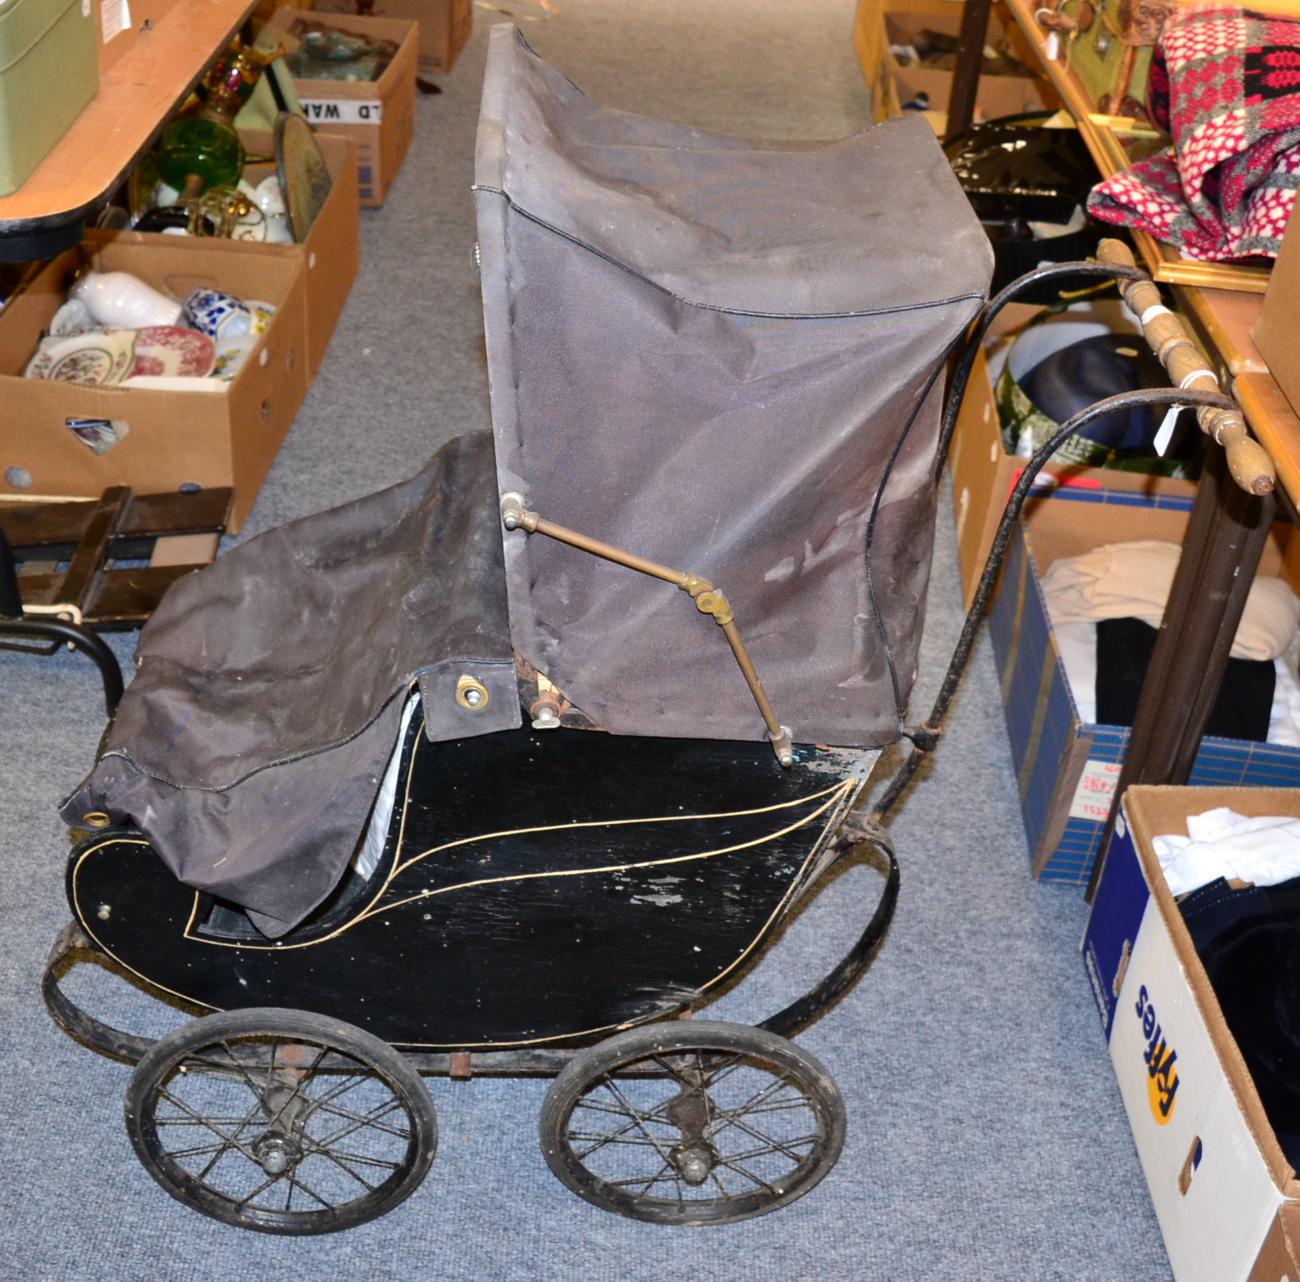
13,624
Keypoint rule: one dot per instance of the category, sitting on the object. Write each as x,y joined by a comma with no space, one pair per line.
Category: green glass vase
201,147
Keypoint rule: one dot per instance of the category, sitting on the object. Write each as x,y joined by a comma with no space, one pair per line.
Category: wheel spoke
765,1149
662,1175
775,1146
368,1120
225,1147
247,1076
636,1120
298,1085
261,1188
584,1137
749,1175
781,1106
297,1183
189,1121
230,1139
713,1175
727,1118
676,1073
343,1166
342,1088
201,1151
598,1106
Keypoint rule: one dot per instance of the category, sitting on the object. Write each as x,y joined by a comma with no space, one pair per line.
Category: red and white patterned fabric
1225,85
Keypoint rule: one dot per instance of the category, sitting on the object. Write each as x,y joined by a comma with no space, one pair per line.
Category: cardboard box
1066,769
1277,332
871,44
174,439
1226,1198
996,95
378,115
445,25
331,253
983,474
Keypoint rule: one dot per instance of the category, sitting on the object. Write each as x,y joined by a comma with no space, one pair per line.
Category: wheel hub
694,1162
277,1152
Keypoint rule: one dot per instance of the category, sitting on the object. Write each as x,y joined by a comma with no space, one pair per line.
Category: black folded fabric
1249,943
1124,648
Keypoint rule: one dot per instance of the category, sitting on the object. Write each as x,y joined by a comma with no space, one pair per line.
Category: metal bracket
709,599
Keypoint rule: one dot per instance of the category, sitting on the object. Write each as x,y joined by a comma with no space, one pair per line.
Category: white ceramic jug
118,298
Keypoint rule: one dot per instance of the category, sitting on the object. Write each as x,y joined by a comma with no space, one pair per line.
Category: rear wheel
692,1122
281,1121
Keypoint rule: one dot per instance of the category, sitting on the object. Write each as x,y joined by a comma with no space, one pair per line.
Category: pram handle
1250,465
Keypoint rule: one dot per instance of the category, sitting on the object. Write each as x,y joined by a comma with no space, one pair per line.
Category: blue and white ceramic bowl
217,315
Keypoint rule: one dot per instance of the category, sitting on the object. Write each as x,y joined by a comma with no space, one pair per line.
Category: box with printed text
1225,1195
1066,767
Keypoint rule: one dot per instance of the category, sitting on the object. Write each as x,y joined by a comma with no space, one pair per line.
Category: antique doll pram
432,783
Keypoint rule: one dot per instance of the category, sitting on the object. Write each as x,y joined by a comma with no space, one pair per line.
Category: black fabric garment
1124,647
1249,943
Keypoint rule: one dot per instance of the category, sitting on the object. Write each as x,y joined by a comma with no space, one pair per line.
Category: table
136,96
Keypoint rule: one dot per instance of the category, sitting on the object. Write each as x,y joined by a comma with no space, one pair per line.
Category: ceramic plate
304,176
171,351
95,358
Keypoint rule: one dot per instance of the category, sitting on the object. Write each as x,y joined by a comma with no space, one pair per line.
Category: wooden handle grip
1189,368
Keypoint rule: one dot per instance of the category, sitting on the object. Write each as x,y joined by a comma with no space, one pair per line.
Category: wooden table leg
1225,538
970,60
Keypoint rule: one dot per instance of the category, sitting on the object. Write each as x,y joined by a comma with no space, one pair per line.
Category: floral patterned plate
172,351
95,358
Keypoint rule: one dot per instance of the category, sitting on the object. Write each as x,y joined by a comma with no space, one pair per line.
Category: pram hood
719,354
722,355
250,745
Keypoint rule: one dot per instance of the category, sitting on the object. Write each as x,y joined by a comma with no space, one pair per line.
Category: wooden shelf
136,96
1099,133
1274,424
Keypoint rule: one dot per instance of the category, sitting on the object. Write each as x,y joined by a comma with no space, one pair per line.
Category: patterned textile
1225,85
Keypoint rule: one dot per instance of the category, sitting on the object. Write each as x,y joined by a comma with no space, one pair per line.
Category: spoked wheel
692,1122
281,1121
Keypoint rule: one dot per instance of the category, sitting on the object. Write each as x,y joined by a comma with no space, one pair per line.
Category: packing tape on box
342,111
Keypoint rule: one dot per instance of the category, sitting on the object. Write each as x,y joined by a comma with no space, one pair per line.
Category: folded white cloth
1132,580
1262,851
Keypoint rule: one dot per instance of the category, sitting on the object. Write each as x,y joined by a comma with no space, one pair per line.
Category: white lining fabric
366,860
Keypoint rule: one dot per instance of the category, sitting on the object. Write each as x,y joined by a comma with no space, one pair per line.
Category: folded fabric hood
723,355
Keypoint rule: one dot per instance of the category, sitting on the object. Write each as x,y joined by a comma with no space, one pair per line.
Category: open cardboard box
1277,331
377,115
1227,1200
331,253
225,435
445,25
996,95
983,474
1066,768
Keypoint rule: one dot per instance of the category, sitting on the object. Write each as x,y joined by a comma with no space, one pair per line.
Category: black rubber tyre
235,1114
688,1110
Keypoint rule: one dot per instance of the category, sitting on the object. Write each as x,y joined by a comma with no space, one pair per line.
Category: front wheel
692,1122
281,1121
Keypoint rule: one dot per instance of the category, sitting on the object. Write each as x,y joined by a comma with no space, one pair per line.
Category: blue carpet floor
986,1137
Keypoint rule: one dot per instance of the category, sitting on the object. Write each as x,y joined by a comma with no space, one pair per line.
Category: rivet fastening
472,694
